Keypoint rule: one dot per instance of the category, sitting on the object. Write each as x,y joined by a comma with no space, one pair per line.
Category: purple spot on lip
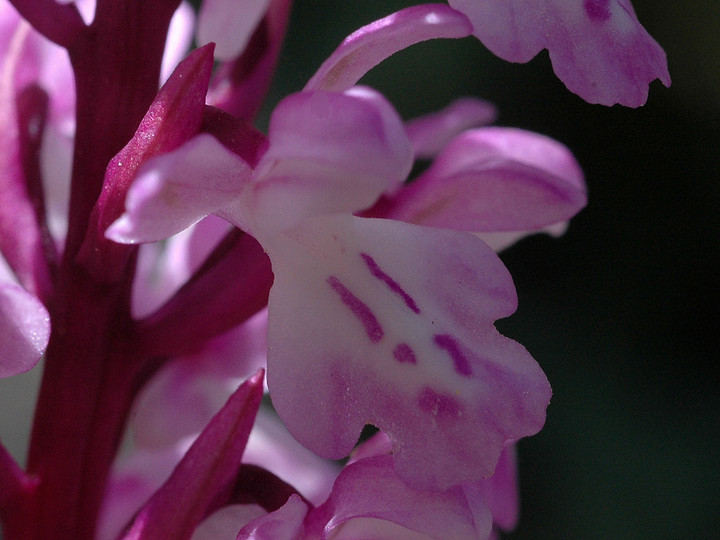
448,344
359,308
598,10
439,405
390,282
404,354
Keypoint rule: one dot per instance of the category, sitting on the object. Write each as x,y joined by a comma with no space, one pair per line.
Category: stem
117,72
84,400
60,23
91,372
16,495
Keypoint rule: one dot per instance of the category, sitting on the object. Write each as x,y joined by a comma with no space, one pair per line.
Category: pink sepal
494,180
205,472
367,47
597,47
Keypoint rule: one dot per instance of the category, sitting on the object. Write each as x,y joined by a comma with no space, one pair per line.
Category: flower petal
208,467
597,47
430,133
24,330
500,491
376,321
285,523
182,398
494,180
328,153
179,39
178,189
228,25
367,47
272,447
369,500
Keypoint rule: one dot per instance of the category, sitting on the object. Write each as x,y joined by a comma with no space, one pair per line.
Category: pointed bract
208,468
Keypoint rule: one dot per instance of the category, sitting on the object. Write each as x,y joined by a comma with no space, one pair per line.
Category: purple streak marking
404,354
360,310
441,406
448,344
390,282
598,10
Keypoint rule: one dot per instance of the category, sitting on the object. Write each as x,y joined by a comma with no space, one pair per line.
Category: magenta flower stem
114,90
90,371
83,402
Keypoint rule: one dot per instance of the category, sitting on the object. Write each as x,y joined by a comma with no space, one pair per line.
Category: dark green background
622,312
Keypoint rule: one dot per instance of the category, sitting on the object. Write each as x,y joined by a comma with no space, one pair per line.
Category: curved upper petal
494,180
367,47
382,322
24,330
597,47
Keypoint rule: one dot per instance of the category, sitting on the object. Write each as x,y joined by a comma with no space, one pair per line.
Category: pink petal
182,398
494,180
240,86
24,330
366,48
174,117
376,321
179,39
271,446
597,47
370,501
228,25
328,153
286,523
500,491
164,267
430,133
178,189
208,468
132,483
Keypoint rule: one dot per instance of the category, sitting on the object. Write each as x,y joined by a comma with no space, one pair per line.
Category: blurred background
623,311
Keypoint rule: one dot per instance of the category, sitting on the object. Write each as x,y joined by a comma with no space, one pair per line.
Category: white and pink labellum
382,322
370,320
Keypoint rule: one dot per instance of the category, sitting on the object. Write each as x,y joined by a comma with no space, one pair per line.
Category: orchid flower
307,252
428,375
